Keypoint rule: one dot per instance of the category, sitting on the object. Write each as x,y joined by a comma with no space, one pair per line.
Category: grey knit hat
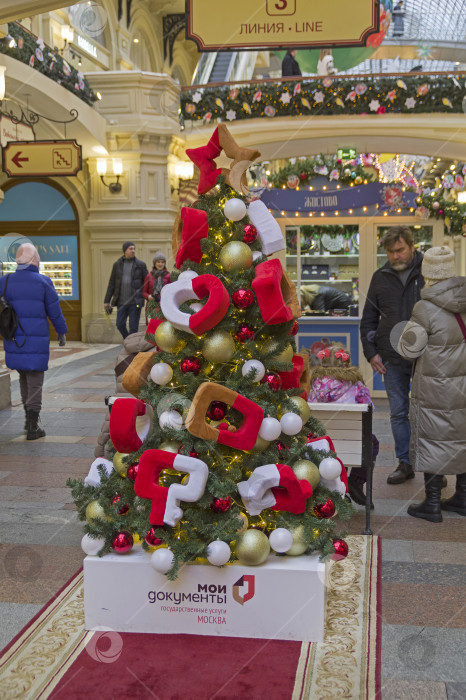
438,263
159,256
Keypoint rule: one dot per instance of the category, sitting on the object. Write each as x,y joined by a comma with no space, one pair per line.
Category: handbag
461,324
9,321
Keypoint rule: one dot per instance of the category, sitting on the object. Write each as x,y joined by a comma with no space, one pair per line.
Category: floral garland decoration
329,95
435,206
334,169
32,51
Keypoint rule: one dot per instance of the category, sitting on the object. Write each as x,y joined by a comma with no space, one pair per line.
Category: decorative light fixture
184,170
117,166
67,35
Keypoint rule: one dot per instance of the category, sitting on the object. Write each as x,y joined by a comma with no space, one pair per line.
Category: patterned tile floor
424,564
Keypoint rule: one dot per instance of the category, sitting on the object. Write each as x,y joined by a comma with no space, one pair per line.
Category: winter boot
402,473
457,503
33,430
355,490
429,509
26,419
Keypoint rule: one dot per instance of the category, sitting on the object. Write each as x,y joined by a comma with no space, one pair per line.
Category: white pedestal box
282,599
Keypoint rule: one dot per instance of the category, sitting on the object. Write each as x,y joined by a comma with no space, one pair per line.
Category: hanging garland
437,207
32,51
329,95
334,169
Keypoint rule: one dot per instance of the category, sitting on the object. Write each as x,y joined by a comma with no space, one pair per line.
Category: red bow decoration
267,286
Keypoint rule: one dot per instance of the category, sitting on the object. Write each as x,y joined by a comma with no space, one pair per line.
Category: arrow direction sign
42,158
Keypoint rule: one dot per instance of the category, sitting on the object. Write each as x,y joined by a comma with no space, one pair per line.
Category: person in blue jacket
34,298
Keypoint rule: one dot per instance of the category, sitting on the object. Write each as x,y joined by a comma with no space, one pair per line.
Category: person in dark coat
34,298
323,298
398,20
393,291
157,278
290,65
435,337
125,289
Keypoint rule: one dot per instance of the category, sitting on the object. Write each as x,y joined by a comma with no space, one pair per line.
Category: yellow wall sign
245,24
42,158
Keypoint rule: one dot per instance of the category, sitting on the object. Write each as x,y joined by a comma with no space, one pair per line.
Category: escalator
215,67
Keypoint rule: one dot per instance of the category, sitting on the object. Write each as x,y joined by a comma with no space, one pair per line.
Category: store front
40,211
333,240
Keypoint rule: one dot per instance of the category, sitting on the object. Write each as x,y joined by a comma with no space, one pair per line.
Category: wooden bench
350,428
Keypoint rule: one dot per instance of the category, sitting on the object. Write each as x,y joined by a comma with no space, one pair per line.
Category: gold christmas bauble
285,355
235,255
169,446
118,465
305,469
168,339
299,546
219,346
252,547
94,511
260,444
244,518
300,404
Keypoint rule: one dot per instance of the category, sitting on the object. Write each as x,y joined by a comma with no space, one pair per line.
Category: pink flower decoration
345,357
257,97
381,110
233,94
327,82
422,89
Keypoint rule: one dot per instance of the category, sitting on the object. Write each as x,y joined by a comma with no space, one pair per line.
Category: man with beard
393,291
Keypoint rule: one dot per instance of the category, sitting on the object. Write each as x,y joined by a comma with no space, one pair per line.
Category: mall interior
367,137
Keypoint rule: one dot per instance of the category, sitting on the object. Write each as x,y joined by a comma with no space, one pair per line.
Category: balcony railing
31,50
406,93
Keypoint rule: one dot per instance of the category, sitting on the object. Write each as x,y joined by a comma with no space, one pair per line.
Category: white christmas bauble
256,254
170,419
281,540
161,373
330,468
291,423
258,368
91,546
187,275
162,560
196,306
270,429
218,553
235,209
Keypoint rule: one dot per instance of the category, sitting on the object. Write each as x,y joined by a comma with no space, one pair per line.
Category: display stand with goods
218,464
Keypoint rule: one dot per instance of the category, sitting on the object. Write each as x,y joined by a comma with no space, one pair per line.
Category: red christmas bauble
250,233
122,542
194,454
124,509
294,328
217,410
242,298
221,505
311,436
325,510
341,549
191,364
273,380
440,212
151,538
132,472
303,176
245,332
281,446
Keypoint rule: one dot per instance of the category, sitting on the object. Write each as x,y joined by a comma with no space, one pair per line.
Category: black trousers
30,386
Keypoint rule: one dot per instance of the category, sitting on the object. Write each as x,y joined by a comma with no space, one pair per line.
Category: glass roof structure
434,20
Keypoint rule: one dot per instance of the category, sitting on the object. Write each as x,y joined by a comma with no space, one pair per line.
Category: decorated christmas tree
218,456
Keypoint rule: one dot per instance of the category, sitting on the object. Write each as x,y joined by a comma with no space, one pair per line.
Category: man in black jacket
125,289
393,291
290,65
323,298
